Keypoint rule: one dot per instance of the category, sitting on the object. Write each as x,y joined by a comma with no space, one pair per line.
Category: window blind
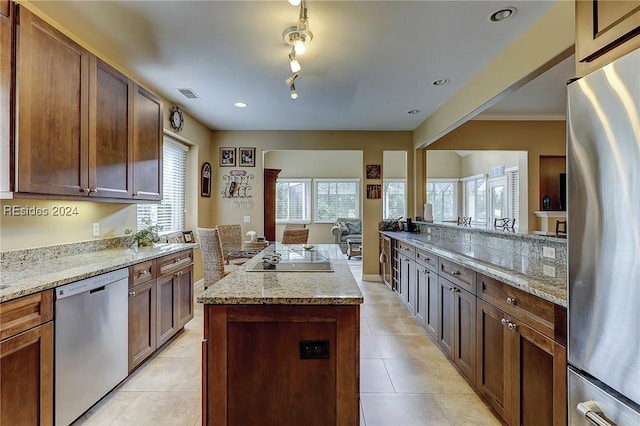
513,193
293,203
170,213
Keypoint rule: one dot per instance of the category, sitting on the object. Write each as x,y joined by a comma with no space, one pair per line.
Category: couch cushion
354,227
343,228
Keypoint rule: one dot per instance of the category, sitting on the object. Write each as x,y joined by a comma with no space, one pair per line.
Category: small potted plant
144,237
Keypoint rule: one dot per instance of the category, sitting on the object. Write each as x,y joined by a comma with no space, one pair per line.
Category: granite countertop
536,235
246,287
518,271
21,278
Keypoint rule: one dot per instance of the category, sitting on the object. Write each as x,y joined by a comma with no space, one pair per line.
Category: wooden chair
295,236
561,228
231,239
212,256
464,221
504,223
295,226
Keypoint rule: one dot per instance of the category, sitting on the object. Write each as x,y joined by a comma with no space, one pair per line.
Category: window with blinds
394,198
443,194
170,213
336,198
474,198
513,194
293,200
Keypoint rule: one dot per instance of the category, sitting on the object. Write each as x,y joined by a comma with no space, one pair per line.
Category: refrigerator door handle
593,414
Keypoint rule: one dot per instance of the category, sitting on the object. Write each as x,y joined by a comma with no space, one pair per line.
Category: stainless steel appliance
603,159
91,343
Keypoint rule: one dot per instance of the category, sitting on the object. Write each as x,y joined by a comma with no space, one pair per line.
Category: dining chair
464,221
212,256
295,226
504,223
231,239
295,236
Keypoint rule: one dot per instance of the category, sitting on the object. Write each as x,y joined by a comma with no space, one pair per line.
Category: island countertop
247,287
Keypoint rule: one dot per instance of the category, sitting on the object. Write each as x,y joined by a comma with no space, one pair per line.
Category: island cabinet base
281,365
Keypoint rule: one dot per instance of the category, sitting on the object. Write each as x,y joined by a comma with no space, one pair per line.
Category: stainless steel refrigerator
603,168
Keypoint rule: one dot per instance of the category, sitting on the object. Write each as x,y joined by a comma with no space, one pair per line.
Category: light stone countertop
27,277
520,272
246,287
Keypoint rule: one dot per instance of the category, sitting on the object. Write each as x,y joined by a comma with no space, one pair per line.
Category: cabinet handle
144,272
455,272
93,190
426,271
132,293
512,326
87,190
456,290
593,413
504,321
511,300
450,288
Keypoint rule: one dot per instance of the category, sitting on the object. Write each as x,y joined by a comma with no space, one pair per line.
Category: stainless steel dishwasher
91,343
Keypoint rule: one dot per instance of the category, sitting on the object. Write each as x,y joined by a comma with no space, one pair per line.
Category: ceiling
370,62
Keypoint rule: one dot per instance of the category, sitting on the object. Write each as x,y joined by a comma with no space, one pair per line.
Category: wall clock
176,119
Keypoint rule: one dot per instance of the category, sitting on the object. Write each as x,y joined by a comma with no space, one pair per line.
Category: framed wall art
205,180
188,237
227,157
374,192
374,171
247,157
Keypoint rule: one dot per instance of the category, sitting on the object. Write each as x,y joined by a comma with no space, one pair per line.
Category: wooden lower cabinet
521,372
184,295
26,360
142,323
446,317
407,287
167,314
254,371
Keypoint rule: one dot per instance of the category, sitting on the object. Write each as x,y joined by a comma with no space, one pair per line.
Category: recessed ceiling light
240,104
502,14
415,111
440,82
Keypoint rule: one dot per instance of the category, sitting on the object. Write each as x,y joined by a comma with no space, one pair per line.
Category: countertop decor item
145,236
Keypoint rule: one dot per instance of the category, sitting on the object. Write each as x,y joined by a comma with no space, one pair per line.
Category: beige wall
483,161
443,164
394,164
537,138
372,145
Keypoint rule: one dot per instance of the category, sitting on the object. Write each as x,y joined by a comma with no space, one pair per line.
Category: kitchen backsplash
54,251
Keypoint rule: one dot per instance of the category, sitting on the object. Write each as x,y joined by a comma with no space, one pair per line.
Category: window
394,198
336,198
513,193
293,201
170,213
474,198
443,194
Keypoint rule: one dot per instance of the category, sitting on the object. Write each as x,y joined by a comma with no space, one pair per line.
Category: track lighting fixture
293,62
294,94
297,36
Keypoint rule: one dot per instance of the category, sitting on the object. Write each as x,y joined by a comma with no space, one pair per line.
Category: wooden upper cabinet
4,7
52,99
605,31
6,53
110,132
147,172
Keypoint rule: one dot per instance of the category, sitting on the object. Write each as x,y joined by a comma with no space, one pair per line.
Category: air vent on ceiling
188,93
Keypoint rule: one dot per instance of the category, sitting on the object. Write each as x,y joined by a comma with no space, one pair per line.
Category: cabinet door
147,142
431,304
446,319
167,314
184,295
403,288
539,378
26,374
492,357
410,269
142,322
52,98
602,25
421,294
386,264
465,332
6,53
110,132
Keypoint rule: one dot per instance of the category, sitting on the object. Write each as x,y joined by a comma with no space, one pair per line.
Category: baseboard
198,284
372,278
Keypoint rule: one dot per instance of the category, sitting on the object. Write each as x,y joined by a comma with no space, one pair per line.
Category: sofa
345,229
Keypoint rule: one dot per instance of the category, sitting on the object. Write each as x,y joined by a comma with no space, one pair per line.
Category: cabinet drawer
142,272
24,313
539,314
464,277
428,260
407,250
173,262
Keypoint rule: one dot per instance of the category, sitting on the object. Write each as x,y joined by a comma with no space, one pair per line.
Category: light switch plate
96,229
428,237
247,219
549,271
429,230
467,237
549,252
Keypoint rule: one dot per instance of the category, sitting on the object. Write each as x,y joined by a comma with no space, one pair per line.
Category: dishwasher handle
592,413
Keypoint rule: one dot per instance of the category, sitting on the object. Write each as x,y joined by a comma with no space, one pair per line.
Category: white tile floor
404,378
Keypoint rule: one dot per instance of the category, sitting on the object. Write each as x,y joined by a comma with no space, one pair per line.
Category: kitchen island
282,347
